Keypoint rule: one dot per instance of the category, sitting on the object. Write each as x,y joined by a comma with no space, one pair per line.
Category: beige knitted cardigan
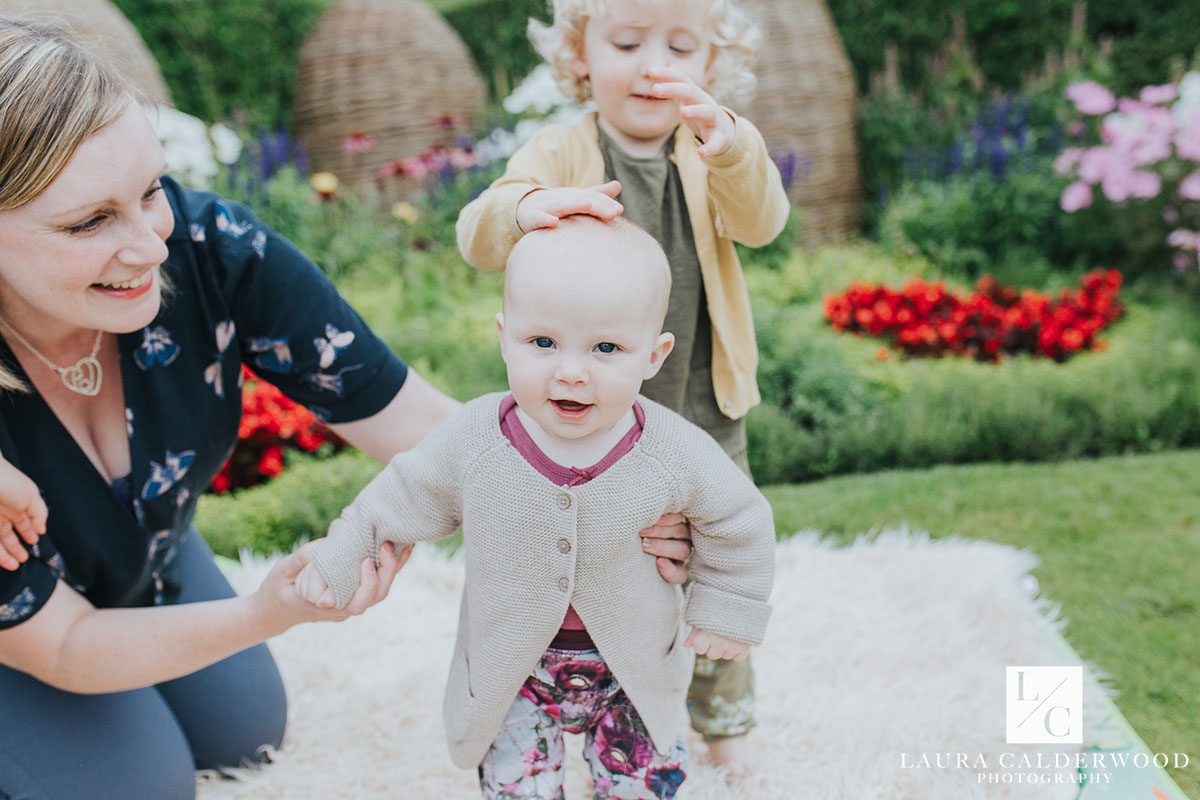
532,547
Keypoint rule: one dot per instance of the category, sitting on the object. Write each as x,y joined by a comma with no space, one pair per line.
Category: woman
127,307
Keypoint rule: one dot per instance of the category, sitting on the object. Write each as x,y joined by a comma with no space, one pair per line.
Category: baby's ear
500,330
658,354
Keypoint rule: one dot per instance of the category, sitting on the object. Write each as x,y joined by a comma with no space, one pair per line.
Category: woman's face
84,254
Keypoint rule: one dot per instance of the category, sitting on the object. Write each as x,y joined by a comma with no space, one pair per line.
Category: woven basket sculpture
102,28
805,108
389,69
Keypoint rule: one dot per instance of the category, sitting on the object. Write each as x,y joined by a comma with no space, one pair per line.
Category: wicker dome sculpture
392,70
102,28
805,108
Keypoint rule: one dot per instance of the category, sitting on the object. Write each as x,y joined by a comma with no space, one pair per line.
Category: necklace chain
82,377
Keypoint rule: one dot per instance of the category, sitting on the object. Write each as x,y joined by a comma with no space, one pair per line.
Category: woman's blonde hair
735,40
54,94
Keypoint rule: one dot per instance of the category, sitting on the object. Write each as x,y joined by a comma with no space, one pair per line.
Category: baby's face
578,341
634,35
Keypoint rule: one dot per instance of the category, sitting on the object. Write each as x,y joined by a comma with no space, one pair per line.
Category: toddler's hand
545,207
698,109
22,512
312,587
707,643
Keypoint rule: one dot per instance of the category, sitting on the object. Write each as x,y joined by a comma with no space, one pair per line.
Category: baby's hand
313,588
545,207
698,109
22,511
707,643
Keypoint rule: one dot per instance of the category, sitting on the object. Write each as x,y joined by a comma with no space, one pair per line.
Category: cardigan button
564,584
564,546
564,500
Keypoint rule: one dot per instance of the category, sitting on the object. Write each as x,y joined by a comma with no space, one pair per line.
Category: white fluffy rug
896,644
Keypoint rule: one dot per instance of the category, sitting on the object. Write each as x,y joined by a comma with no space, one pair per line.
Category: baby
565,623
662,151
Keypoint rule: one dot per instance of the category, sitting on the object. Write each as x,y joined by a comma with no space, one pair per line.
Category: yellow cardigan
736,196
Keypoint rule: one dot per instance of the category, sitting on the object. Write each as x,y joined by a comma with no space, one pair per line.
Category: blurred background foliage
233,56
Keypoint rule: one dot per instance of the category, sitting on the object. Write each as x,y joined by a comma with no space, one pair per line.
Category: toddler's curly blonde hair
735,40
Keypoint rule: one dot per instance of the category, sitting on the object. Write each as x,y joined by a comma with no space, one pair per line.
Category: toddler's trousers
574,691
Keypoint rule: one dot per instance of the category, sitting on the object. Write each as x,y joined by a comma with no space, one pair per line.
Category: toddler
694,175
565,623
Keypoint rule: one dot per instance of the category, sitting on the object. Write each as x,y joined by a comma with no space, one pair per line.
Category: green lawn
1119,542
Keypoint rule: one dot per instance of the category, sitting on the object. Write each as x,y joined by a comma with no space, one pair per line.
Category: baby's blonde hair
618,239
735,40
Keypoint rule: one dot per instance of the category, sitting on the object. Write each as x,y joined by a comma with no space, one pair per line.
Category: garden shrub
968,223
225,57
495,33
298,504
831,405
830,399
1011,40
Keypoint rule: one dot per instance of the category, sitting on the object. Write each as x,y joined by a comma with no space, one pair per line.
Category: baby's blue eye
607,347
543,341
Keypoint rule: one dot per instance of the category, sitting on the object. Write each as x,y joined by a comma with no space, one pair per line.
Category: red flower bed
924,319
270,424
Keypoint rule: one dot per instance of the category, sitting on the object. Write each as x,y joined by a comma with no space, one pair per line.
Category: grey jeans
144,743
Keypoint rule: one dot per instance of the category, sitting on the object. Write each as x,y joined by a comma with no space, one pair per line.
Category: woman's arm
71,645
416,410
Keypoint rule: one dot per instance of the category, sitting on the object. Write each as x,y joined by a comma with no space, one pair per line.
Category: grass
1119,543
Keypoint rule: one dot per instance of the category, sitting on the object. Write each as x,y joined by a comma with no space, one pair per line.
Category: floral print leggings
574,691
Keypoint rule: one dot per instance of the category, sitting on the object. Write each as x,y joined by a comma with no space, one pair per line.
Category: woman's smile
127,290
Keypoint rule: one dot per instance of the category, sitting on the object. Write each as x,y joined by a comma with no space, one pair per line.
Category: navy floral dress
242,293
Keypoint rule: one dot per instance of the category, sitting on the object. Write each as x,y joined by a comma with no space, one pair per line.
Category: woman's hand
281,606
670,539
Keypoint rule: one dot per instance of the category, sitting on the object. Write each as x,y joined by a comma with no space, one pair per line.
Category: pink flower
1091,98
1076,196
1189,188
1144,185
1118,183
415,168
1067,159
1187,139
1096,162
462,159
1184,239
357,142
1157,95
389,169
1075,128
1127,105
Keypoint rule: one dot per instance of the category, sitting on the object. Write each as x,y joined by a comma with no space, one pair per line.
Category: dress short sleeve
24,591
292,326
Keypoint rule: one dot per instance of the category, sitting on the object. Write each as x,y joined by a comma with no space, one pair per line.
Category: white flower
191,149
539,93
226,144
1189,99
